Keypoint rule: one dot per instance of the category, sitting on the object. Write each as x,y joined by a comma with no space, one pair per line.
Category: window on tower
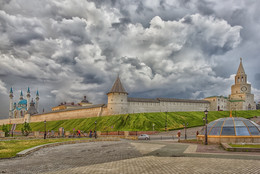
238,80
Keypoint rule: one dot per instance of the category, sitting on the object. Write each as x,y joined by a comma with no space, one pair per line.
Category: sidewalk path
131,157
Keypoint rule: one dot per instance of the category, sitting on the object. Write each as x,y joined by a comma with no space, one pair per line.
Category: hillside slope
139,122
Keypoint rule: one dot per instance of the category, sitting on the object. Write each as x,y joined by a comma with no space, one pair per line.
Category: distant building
218,103
258,105
71,105
18,110
240,97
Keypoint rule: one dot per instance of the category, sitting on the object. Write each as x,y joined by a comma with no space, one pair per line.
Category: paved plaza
133,157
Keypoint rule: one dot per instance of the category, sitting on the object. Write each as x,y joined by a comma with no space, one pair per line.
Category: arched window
238,80
242,79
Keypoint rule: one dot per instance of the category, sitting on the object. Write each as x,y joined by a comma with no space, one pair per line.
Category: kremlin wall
119,103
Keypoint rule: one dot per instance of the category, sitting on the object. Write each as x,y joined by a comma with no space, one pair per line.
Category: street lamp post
44,129
166,121
185,126
95,125
235,110
206,122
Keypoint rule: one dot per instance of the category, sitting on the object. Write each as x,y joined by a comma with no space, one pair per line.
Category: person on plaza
79,133
197,133
95,134
48,134
90,134
179,135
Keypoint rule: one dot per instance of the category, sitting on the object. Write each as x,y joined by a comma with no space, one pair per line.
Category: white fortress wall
137,105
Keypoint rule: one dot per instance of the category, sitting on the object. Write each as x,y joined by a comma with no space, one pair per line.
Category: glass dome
233,126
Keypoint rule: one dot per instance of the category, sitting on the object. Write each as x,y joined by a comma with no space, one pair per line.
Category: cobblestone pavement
130,157
168,165
68,156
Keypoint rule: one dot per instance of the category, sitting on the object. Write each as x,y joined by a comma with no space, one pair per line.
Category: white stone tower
28,98
37,101
117,99
11,103
241,97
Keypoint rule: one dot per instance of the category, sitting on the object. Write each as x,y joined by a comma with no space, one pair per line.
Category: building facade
18,110
218,103
119,103
240,97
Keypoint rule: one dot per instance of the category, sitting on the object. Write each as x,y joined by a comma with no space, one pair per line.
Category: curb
33,149
239,149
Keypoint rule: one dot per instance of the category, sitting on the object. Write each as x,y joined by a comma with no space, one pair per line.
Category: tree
26,129
5,129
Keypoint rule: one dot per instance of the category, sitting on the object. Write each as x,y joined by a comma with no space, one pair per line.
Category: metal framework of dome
233,126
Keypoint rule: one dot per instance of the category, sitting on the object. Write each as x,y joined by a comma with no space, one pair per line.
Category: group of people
94,134
179,134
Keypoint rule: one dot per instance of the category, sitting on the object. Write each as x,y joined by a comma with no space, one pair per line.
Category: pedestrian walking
95,134
79,133
179,135
90,134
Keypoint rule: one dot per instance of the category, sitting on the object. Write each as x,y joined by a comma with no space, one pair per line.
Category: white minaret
21,95
28,98
11,103
37,101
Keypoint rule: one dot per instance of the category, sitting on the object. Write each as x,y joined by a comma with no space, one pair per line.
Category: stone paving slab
145,148
169,165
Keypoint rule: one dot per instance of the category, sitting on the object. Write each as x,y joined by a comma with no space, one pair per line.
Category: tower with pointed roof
21,95
37,101
19,109
28,98
11,103
117,99
241,97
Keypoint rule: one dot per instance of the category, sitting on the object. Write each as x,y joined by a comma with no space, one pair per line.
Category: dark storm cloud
92,78
182,49
205,7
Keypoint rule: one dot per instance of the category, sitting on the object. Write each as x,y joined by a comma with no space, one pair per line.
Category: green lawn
246,145
11,148
138,122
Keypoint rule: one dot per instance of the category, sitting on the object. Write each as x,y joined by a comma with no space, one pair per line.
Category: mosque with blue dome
18,110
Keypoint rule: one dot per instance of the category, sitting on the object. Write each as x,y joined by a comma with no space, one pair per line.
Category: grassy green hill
139,122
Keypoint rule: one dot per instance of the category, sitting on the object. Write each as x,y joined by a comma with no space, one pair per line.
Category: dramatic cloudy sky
170,48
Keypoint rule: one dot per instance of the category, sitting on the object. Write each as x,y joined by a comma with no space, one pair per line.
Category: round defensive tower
117,99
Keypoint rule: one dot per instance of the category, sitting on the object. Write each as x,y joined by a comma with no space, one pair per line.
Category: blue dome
234,126
23,102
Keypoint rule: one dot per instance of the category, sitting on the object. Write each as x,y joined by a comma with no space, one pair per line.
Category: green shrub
26,129
5,129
